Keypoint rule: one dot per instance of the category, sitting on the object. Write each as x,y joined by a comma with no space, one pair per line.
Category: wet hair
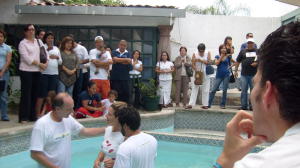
168,57
137,52
220,48
66,40
90,84
26,28
201,46
117,106
113,92
279,62
183,47
3,33
129,116
226,39
47,35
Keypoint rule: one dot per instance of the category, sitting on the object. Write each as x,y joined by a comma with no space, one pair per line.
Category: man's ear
270,95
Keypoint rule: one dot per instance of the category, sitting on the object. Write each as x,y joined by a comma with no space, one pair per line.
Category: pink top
28,53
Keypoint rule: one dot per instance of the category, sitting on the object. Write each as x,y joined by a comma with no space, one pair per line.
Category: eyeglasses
31,29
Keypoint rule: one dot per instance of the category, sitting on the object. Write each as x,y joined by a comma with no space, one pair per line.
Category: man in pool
276,116
50,142
139,149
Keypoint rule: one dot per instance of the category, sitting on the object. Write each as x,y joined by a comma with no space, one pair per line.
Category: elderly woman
30,71
181,78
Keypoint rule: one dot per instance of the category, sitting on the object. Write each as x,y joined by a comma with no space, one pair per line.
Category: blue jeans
4,97
246,82
217,84
63,88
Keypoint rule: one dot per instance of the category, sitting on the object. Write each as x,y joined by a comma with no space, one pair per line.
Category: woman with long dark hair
165,68
135,76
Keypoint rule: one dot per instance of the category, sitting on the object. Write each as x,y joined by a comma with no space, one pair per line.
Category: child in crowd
106,103
89,103
47,106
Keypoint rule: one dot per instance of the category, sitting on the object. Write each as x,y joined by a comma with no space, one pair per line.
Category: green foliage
220,7
14,65
149,89
94,2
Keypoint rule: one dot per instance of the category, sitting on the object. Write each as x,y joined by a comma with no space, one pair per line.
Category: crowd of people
97,78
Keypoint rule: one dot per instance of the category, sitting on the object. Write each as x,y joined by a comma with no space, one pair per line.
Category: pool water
170,155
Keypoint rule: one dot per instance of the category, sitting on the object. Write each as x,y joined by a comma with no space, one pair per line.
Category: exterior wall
291,17
10,17
212,30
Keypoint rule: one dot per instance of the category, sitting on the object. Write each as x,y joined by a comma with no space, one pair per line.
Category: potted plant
149,95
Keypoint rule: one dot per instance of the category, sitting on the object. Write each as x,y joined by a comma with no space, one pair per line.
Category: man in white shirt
83,57
99,68
275,99
139,149
50,142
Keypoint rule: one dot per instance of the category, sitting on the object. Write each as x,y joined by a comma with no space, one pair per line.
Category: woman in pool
112,137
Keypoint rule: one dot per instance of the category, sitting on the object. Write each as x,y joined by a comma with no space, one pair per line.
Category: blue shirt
223,68
4,50
120,71
92,99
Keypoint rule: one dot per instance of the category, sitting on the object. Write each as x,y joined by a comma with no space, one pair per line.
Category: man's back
138,151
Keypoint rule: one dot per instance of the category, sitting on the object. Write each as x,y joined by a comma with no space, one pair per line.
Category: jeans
4,97
62,88
246,82
217,83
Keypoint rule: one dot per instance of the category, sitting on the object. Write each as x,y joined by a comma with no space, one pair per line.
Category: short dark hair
248,34
201,46
90,84
3,33
26,28
129,116
226,39
117,106
113,92
183,47
279,62
47,35
168,57
39,31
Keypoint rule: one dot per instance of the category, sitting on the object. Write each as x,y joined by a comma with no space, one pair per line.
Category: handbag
43,53
189,71
210,70
198,78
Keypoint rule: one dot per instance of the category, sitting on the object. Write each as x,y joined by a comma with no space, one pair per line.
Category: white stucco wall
212,30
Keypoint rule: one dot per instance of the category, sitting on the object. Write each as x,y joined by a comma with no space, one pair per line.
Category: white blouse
165,66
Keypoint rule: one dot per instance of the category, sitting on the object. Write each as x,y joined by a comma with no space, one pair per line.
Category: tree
220,7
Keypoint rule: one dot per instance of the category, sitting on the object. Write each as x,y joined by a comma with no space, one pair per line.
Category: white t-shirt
82,54
283,153
165,66
111,142
135,72
54,139
52,68
103,73
138,151
106,103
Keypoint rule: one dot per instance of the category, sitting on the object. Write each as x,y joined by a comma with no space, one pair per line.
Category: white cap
98,38
250,40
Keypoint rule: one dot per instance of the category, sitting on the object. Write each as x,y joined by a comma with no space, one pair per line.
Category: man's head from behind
129,119
276,93
63,105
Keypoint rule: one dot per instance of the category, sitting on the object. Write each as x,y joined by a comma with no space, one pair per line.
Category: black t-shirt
93,99
247,57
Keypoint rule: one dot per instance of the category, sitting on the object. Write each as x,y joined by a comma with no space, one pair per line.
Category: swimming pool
170,155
